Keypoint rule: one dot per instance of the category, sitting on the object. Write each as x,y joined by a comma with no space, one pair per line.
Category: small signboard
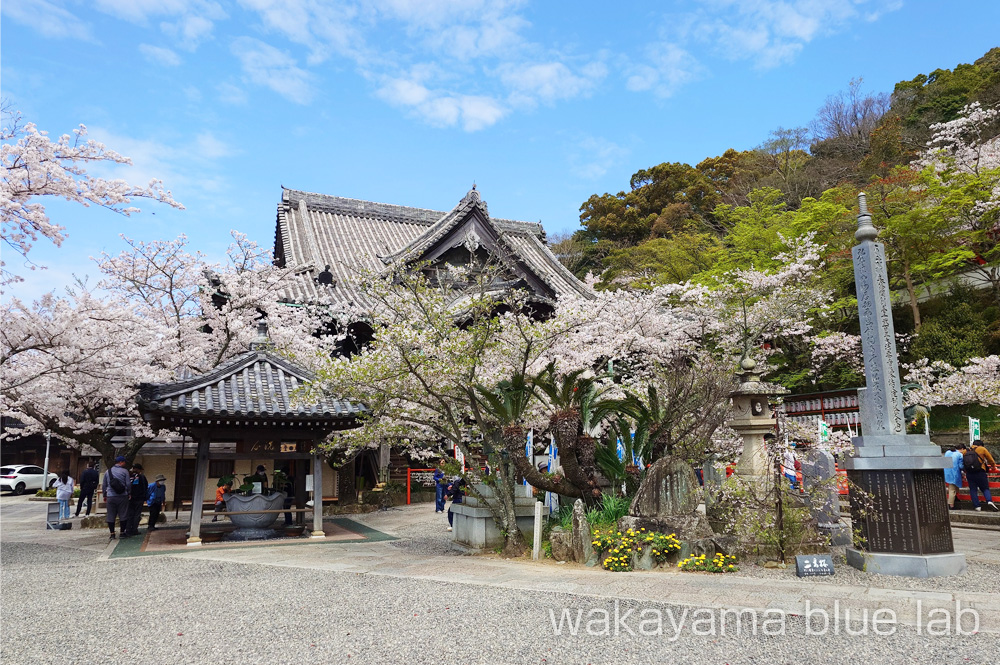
52,516
813,565
824,431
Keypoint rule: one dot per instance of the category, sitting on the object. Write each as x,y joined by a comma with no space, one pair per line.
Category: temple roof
257,384
315,231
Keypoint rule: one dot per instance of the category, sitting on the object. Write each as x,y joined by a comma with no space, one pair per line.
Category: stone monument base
475,528
839,534
907,565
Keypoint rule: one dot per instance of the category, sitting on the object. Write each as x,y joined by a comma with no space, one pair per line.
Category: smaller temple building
247,412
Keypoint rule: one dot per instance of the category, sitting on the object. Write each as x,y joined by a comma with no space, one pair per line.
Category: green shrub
612,509
51,493
564,517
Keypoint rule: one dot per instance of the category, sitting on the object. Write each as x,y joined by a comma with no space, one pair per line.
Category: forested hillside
928,156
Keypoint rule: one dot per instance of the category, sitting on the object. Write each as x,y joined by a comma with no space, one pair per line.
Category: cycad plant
576,408
624,474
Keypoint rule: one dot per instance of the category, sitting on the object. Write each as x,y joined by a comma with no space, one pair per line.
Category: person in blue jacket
953,475
156,498
439,488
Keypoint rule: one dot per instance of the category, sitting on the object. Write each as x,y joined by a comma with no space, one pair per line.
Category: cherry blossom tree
746,309
73,365
961,180
977,382
970,142
35,166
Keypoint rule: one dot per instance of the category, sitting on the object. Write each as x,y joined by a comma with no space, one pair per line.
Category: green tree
669,260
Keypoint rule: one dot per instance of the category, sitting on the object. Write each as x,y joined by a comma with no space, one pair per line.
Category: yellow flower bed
720,563
621,545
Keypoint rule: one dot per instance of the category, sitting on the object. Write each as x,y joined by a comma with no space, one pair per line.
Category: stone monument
667,501
906,529
819,473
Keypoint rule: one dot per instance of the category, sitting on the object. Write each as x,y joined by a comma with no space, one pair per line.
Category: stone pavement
422,552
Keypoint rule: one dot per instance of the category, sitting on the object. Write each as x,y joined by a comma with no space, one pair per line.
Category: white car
18,478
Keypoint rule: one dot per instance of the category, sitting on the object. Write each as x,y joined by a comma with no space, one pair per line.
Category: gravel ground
980,577
167,610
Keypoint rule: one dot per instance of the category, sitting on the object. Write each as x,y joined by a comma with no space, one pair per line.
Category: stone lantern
753,418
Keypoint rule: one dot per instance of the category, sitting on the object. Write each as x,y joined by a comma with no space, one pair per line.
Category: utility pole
45,467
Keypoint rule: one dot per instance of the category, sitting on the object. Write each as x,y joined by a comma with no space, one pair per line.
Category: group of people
126,492
445,489
975,462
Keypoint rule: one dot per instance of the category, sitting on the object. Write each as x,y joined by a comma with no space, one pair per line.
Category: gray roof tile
254,384
316,230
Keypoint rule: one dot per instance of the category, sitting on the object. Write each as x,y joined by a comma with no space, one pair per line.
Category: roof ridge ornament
262,343
866,229
472,195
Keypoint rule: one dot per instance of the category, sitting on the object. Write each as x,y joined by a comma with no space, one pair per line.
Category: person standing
138,491
457,491
64,492
975,472
260,476
156,497
985,455
788,466
953,475
116,490
439,487
89,480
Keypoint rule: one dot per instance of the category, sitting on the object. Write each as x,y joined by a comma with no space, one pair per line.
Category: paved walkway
423,551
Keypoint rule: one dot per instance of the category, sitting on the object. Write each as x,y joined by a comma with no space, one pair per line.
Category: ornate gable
328,238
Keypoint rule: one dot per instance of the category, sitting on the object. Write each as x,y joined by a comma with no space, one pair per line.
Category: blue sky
410,102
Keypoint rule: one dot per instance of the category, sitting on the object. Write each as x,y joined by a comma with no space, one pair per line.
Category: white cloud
667,67
188,22
324,29
549,82
592,157
190,30
208,146
188,167
46,18
229,93
265,65
139,11
771,33
442,109
159,55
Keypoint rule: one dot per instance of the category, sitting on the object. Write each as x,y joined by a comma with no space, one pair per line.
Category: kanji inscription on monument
898,504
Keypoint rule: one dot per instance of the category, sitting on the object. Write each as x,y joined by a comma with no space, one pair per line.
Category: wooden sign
813,565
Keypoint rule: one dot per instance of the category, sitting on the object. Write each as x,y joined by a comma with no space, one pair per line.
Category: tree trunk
543,481
513,539
911,290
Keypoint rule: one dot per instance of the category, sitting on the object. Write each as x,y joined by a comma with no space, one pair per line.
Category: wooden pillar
317,474
301,470
198,498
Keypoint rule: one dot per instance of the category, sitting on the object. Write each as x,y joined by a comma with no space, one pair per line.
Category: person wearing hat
116,486
157,495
